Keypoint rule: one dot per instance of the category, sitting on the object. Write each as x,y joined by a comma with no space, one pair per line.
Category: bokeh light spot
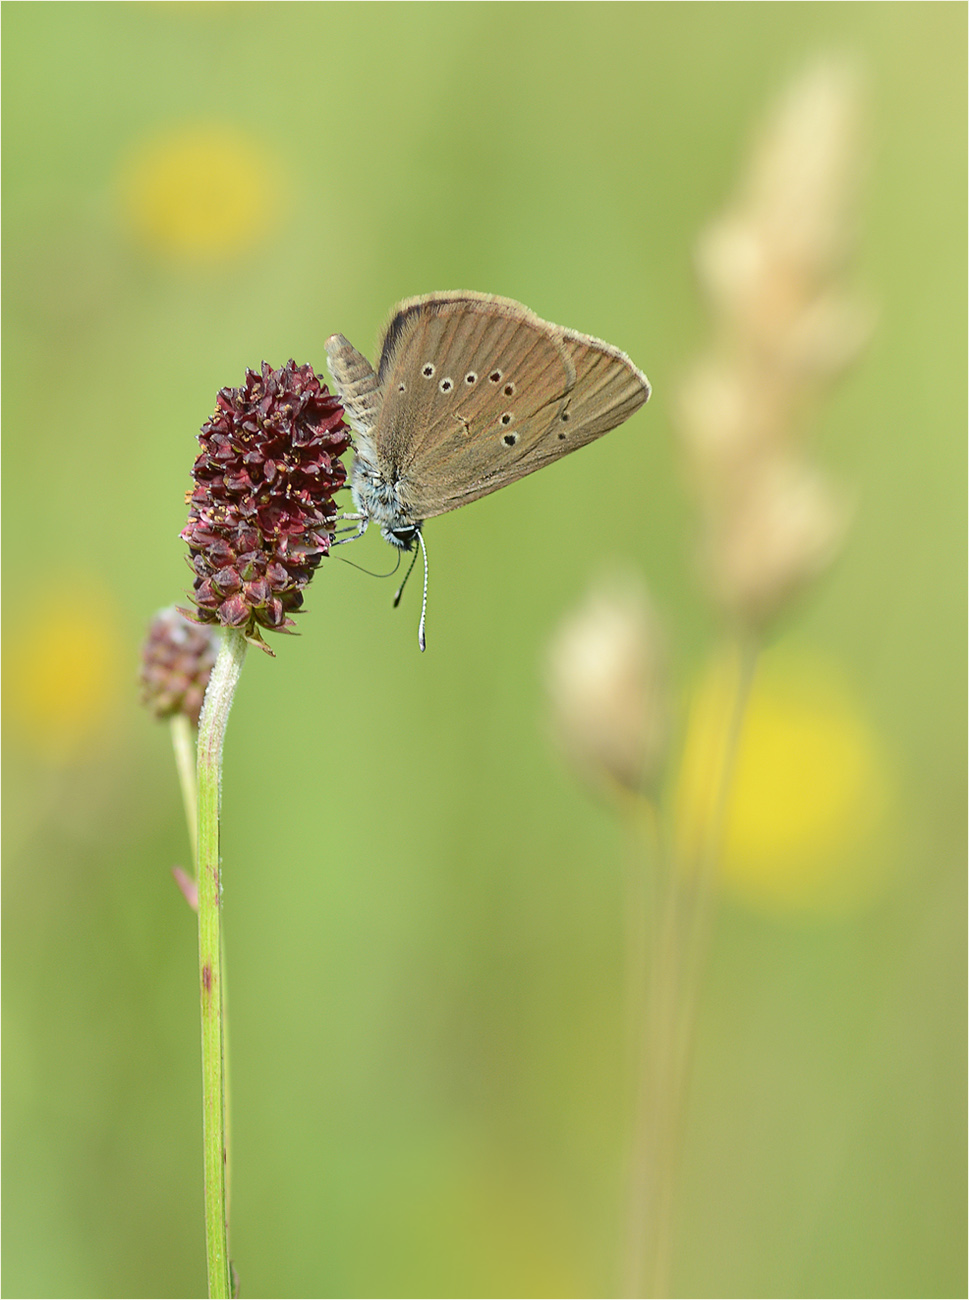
200,193
811,789
62,679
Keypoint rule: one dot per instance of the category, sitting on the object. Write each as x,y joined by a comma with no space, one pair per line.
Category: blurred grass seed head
785,324
606,677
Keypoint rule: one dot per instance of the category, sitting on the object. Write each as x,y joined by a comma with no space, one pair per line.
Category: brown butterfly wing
478,391
356,383
608,387
468,380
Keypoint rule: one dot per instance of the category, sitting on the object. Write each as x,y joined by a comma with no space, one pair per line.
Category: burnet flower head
262,509
176,664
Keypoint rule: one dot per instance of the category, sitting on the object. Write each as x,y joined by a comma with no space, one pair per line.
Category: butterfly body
471,392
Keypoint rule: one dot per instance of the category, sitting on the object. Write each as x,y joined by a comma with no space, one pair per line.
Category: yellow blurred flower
62,679
200,193
811,788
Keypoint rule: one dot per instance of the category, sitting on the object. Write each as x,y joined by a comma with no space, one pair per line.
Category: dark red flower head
176,664
262,509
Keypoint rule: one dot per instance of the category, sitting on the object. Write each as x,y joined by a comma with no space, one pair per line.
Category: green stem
215,714
658,1096
665,1090
183,743
700,886
678,926
645,887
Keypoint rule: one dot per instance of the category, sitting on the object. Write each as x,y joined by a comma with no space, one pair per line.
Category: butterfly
470,393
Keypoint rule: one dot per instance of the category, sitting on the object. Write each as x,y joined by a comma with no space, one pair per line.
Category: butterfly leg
361,520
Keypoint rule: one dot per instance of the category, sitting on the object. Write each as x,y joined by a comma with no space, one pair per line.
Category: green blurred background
422,911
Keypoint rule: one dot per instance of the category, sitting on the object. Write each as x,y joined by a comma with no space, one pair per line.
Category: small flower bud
176,663
262,508
606,678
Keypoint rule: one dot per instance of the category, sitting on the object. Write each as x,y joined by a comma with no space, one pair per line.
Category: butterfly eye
471,377
506,418
510,439
427,370
445,385
402,388
495,376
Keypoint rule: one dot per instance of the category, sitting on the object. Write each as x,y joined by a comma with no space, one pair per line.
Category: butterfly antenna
400,590
420,629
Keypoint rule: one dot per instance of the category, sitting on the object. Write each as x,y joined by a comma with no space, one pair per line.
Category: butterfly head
402,538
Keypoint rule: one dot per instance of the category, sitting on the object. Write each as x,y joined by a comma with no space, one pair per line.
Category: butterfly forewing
470,385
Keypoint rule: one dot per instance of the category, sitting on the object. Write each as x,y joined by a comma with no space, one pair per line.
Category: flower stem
183,743
215,714
656,955
702,874
678,925
645,887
